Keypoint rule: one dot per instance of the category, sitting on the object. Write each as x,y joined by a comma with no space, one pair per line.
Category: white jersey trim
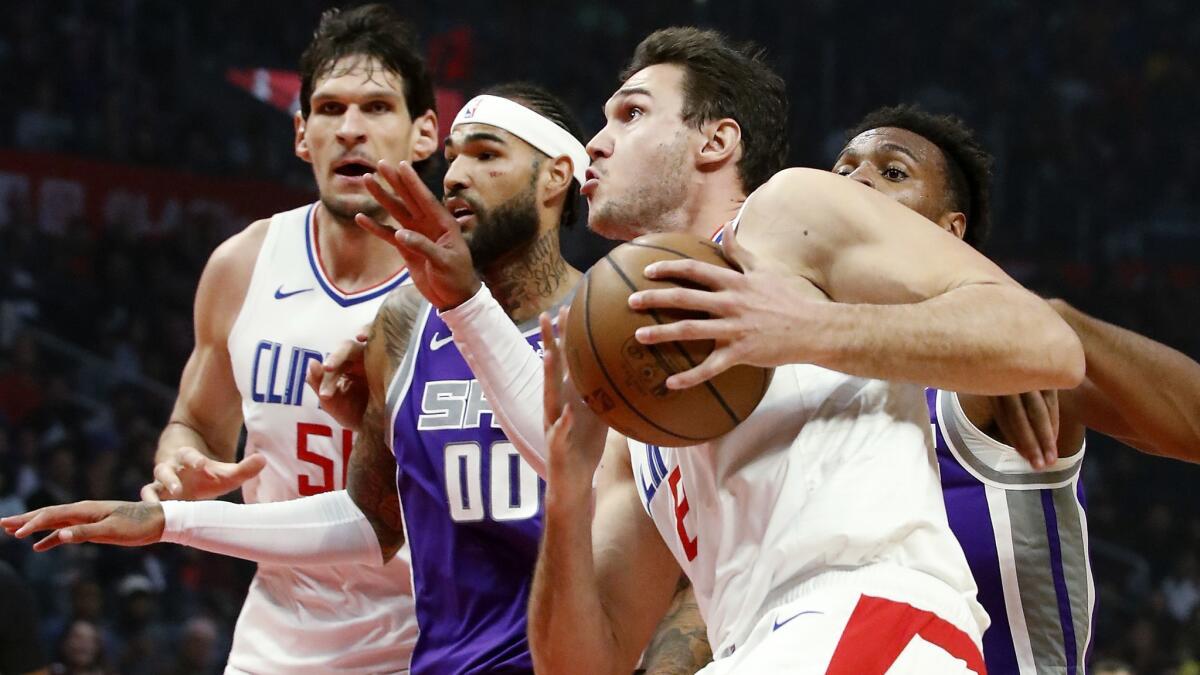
313,249
994,463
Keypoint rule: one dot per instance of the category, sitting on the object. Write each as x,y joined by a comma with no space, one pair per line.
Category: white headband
527,125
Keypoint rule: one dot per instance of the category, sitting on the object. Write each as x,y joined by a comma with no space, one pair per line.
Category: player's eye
843,170
485,155
633,112
331,108
894,174
378,107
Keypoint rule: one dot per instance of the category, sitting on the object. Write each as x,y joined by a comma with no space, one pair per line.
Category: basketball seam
587,319
683,352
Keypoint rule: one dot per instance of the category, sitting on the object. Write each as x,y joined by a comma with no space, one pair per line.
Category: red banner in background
59,192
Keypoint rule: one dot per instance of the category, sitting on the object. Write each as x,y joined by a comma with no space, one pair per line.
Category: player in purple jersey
1024,529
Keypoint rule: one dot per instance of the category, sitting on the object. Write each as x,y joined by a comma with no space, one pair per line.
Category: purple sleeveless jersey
472,512
1025,537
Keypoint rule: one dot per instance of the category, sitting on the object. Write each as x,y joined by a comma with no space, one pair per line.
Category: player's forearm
318,530
987,339
569,631
1155,389
509,371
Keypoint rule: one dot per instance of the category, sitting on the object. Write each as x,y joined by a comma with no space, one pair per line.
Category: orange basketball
624,381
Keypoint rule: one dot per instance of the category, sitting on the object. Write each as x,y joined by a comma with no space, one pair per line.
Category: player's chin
347,204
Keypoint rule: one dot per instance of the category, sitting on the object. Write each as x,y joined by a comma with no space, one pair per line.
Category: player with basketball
787,528
1030,562
828,509
285,291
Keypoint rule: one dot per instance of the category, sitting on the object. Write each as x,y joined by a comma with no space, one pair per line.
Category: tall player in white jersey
272,298
1022,524
814,533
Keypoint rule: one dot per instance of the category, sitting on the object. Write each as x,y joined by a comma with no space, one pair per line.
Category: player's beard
644,208
503,230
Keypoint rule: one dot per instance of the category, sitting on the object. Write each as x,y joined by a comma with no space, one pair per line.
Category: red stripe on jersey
879,629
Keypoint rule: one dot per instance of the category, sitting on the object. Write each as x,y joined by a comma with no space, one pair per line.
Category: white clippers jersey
831,482
349,618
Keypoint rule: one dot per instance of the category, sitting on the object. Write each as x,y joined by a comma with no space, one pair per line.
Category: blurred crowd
1088,106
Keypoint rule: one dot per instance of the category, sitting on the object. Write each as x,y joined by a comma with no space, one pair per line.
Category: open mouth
353,169
459,208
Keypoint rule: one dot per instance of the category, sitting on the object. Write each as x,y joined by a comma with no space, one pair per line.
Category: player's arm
680,643
602,583
371,475
911,302
196,450
1137,390
360,525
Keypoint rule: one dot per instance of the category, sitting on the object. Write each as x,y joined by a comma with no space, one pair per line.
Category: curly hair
968,165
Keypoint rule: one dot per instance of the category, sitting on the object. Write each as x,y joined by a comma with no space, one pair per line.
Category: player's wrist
469,292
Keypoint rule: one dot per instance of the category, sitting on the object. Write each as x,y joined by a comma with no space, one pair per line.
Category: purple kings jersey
472,511
1025,536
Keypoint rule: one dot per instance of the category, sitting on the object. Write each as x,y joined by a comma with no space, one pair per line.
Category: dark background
1089,107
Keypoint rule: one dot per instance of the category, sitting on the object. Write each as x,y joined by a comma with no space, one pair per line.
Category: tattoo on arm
680,644
371,482
371,476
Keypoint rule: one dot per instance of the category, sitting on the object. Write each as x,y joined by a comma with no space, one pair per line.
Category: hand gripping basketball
429,238
751,316
627,382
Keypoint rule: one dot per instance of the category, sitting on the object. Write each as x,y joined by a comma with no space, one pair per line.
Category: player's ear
301,141
954,222
557,177
424,136
722,138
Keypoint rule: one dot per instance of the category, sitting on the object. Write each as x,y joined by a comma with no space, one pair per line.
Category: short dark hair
376,31
968,165
541,101
723,79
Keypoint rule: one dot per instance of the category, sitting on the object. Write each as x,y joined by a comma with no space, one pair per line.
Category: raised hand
754,315
429,238
193,475
1029,422
108,522
574,434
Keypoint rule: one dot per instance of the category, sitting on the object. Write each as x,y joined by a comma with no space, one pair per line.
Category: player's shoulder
397,316
226,279
799,190
238,252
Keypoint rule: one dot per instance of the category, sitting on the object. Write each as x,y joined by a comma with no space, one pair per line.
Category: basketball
624,381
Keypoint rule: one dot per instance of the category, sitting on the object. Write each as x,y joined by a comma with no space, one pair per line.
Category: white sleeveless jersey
832,482
347,618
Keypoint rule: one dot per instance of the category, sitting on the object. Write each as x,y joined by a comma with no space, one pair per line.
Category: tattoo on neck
523,282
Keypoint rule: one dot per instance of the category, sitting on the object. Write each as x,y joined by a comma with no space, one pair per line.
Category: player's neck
351,257
532,279
716,203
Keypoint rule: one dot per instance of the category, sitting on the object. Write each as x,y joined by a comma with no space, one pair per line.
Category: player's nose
862,174
600,145
353,128
456,178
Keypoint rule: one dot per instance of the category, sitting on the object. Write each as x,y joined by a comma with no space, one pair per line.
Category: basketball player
1029,560
472,506
854,536
285,291
813,534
